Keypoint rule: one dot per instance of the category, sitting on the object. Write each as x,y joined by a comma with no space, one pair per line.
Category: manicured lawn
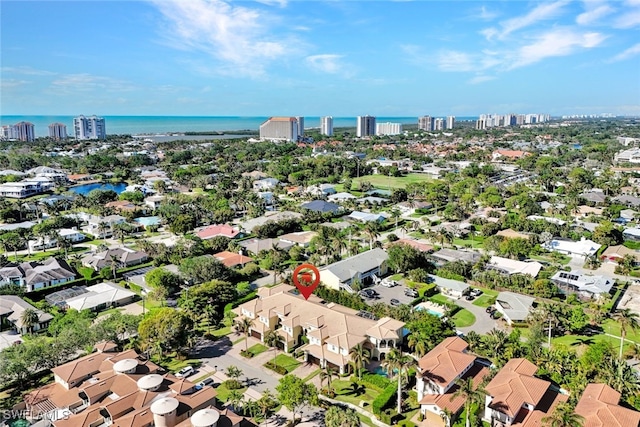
312,375
612,327
464,318
484,300
397,277
577,341
286,362
173,364
476,242
440,299
345,394
384,182
256,349
223,392
222,331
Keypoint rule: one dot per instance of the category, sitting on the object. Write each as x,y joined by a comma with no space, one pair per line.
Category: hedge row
276,368
384,399
376,382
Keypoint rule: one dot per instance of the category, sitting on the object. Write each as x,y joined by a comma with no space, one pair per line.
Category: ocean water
137,125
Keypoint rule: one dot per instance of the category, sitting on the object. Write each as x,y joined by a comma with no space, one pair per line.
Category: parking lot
387,294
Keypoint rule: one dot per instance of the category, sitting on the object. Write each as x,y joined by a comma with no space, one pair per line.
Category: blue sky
341,58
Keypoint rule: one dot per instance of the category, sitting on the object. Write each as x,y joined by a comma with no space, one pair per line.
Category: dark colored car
411,293
469,297
394,302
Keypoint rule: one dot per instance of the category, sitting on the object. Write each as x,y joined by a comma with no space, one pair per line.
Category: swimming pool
430,311
379,370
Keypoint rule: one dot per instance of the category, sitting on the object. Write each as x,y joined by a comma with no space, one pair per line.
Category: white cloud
480,79
239,37
281,3
27,71
327,63
455,61
591,15
71,83
627,53
557,42
11,83
542,12
629,19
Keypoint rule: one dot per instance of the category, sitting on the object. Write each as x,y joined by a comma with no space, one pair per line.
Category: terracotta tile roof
446,361
423,247
599,407
80,368
232,259
455,404
217,230
514,385
547,405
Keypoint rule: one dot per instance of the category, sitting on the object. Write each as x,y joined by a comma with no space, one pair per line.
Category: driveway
484,322
386,294
7,338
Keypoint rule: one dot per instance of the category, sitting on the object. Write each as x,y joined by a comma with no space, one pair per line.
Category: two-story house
325,333
600,407
362,267
35,275
437,375
516,397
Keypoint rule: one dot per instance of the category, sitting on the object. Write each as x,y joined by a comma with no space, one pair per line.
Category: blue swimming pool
379,370
430,311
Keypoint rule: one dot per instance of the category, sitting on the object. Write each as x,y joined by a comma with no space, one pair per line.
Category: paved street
484,322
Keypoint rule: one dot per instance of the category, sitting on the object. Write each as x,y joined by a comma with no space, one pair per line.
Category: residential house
341,197
365,217
627,215
600,407
94,298
224,230
584,247
121,206
452,255
511,266
255,246
549,219
119,389
266,184
362,267
36,275
321,190
11,310
122,257
631,234
232,259
514,307
595,195
275,216
46,242
25,225
436,379
372,200
330,330
501,155
512,234
585,285
515,396
585,211
416,244
628,200
20,190
154,201
322,206
98,226
449,287
300,238
615,254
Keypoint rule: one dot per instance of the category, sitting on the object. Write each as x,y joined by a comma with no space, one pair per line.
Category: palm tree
113,263
371,229
271,339
29,319
360,356
266,403
563,416
627,320
470,394
397,361
327,374
243,326
419,343
339,244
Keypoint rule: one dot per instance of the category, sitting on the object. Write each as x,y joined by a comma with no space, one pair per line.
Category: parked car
202,384
388,283
490,309
394,302
469,297
475,292
185,372
411,293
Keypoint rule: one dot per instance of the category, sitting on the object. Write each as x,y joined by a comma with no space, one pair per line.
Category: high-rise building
388,129
481,123
425,123
326,126
451,121
365,126
89,127
438,124
58,131
24,131
6,132
300,120
280,129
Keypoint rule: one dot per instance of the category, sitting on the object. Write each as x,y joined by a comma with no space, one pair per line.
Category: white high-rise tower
326,126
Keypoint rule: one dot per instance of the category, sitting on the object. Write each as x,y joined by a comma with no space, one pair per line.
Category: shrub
384,399
276,368
246,354
418,275
376,382
232,384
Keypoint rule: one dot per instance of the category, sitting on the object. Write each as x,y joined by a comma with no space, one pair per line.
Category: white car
388,283
185,372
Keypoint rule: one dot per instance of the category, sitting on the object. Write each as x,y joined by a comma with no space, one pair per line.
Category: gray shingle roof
347,268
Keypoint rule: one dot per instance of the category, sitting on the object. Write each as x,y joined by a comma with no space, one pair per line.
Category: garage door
313,359
256,334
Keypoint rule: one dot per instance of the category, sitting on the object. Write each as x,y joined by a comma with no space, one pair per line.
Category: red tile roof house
437,374
509,154
232,259
218,230
516,398
599,405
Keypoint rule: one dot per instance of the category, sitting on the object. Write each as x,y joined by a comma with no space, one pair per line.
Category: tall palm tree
397,361
627,320
419,343
327,374
243,326
563,416
29,319
339,244
113,263
470,394
371,229
271,339
360,356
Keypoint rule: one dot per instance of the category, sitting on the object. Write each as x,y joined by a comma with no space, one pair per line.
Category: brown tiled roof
446,361
455,404
547,405
80,368
105,346
599,407
515,385
231,259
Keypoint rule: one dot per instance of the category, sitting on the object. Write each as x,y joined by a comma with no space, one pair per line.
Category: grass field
386,182
346,394
484,300
256,349
223,392
286,362
463,318
440,299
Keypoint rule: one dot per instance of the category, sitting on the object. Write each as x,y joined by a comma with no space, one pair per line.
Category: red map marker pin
305,281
